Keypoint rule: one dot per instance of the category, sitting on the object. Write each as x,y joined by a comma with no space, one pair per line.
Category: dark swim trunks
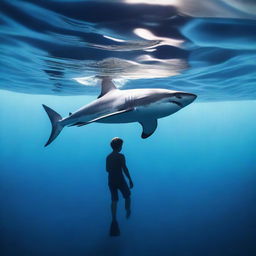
122,186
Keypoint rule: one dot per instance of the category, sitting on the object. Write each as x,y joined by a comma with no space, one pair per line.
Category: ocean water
194,178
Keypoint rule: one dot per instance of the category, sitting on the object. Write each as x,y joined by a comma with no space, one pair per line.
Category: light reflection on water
206,48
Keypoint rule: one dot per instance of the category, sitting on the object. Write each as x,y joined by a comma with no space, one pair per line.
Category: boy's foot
128,214
114,229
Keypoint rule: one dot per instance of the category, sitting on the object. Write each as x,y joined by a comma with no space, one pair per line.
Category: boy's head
116,144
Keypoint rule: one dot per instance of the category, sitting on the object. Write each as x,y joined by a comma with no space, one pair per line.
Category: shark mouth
177,103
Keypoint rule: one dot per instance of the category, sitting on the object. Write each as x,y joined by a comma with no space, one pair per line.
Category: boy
115,166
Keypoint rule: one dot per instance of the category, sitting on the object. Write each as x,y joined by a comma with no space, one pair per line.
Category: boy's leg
113,209
128,206
114,200
127,196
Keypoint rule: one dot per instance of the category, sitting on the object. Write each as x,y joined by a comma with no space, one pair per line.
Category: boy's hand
131,184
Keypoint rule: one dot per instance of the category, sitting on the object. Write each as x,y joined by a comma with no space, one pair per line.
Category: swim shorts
122,186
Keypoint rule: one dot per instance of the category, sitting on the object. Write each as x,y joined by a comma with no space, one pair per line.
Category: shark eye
178,96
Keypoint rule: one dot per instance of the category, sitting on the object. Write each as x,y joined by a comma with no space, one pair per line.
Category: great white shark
123,106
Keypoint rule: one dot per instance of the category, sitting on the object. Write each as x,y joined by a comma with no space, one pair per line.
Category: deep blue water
194,179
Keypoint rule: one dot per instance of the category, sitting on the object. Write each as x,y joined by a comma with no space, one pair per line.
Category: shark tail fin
56,126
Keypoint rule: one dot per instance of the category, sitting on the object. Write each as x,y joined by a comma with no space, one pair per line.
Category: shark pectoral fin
100,118
149,126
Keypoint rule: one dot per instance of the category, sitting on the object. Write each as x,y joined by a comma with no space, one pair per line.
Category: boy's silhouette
116,166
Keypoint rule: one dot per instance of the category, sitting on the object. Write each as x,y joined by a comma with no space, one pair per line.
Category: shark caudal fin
56,126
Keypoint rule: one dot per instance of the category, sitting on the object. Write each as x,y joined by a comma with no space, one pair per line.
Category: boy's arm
126,172
107,165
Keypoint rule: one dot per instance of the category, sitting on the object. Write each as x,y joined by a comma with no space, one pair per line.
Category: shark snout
182,99
188,98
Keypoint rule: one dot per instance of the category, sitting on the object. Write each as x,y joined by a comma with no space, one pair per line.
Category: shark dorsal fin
106,85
